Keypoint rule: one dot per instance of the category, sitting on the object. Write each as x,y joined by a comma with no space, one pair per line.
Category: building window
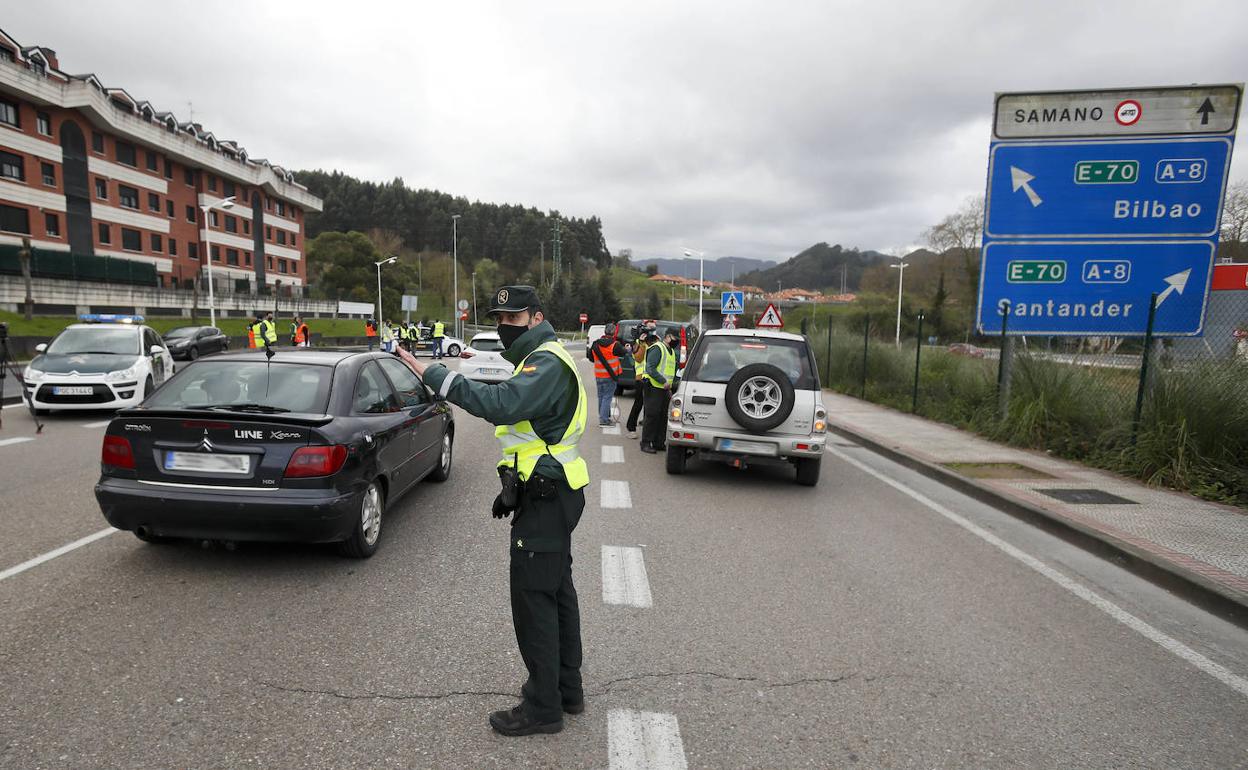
292,239
153,202
246,195
227,188
281,265
126,154
190,213
152,163
169,207
268,232
246,227
192,249
270,263
231,256
14,220
216,253
131,240
97,142
6,54
8,113
38,67
49,174
101,189
157,245
168,169
127,196
106,234
231,224
212,183
173,248
281,208
212,218
12,166
188,176
281,237
247,258
44,123
52,224
268,203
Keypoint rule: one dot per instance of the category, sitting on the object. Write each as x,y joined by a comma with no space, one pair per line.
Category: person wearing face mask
541,413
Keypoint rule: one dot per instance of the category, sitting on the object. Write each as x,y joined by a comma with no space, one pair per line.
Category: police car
106,362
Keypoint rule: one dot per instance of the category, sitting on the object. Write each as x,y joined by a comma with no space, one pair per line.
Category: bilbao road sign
1122,112
1095,287
1141,188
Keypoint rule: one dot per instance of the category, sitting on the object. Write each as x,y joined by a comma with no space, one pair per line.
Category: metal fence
78,267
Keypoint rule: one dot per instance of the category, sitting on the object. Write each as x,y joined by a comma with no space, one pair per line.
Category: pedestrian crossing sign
732,302
770,319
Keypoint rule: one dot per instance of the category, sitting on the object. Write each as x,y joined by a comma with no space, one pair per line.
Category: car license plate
72,390
747,447
488,370
203,462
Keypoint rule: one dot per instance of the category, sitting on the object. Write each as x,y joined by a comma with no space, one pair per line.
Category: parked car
311,446
966,349
451,346
749,397
191,342
106,362
483,359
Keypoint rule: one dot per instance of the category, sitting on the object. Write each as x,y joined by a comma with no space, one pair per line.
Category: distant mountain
820,267
720,269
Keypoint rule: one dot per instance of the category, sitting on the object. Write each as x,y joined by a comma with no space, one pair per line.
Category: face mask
509,333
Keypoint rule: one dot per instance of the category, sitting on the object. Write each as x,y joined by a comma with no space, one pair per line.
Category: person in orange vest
303,337
605,353
370,331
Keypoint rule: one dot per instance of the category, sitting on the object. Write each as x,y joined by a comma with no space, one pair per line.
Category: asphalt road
877,620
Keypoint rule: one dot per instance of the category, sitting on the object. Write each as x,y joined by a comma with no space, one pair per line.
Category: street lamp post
701,278
224,203
389,261
455,267
474,298
901,272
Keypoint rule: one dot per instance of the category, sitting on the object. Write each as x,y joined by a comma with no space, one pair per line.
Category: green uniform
660,370
544,399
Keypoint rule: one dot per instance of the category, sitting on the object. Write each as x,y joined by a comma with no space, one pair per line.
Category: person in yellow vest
387,337
660,374
263,332
439,332
541,414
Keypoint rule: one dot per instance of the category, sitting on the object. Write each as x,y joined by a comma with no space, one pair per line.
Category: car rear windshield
286,386
487,344
181,331
720,356
117,340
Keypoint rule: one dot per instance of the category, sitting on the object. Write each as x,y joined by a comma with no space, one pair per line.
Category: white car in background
483,359
592,334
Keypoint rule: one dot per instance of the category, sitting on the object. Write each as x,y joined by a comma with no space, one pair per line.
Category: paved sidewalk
1204,543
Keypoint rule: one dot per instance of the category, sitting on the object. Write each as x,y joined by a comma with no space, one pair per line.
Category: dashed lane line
644,740
50,555
615,494
612,454
1168,643
15,440
611,430
624,580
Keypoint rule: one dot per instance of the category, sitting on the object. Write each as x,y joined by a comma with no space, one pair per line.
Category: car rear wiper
247,408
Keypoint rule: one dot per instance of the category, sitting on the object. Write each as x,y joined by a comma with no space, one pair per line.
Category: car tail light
116,453
802,447
311,461
466,354
675,408
688,436
821,420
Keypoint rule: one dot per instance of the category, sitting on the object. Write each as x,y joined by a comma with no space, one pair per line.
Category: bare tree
23,256
960,233
1235,222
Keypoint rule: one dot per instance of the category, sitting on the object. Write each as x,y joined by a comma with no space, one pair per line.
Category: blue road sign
732,302
1095,287
1134,188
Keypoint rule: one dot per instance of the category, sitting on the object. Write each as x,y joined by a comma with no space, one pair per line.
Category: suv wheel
759,397
677,456
808,470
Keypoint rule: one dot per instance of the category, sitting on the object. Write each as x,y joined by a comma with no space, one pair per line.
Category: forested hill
510,235
817,268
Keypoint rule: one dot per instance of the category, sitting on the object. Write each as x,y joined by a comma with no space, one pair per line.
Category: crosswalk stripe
624,578
615,494
644,740
17,440
612,454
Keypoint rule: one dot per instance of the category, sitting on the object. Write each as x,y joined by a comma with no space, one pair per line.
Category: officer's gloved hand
498,510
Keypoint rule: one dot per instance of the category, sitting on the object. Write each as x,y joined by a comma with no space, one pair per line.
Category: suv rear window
720,356
297,387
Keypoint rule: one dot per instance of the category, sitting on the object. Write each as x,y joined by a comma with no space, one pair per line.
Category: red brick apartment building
92,170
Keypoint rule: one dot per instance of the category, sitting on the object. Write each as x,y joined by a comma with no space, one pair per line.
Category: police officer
541,414
439,332
660,375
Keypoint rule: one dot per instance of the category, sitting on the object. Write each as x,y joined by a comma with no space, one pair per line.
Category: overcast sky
739,128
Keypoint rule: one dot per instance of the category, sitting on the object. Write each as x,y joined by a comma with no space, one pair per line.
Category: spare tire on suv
759,397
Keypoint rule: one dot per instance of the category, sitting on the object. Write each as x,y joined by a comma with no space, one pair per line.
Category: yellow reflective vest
522,447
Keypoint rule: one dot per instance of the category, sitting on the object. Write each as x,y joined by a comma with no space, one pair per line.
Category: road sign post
1098,199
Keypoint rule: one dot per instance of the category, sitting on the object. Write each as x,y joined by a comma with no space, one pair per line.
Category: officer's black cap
514,299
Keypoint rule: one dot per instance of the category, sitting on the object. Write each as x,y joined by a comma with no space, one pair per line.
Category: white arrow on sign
1177,282
1022,180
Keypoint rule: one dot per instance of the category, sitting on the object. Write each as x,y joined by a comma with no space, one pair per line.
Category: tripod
9,366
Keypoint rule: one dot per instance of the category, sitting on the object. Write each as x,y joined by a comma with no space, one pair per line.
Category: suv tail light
311,461
821,420
116,453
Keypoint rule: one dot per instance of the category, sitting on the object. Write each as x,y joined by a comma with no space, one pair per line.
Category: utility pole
541,264
555,255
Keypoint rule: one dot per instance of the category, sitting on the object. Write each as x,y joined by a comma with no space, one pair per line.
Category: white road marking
50,555
1168,643
17,440
644,740
612,454
99,424
611,430
11,406
615,494
624,578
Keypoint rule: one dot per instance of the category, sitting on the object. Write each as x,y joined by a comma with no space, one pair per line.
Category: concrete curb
1224,601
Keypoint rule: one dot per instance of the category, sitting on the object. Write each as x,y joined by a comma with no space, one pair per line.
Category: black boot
514,722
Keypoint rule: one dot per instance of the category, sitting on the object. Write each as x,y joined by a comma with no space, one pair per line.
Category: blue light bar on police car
110,318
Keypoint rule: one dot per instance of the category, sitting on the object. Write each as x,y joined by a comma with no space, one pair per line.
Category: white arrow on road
1022,180
1178,282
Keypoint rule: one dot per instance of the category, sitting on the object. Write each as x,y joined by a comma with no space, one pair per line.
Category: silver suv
749,396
